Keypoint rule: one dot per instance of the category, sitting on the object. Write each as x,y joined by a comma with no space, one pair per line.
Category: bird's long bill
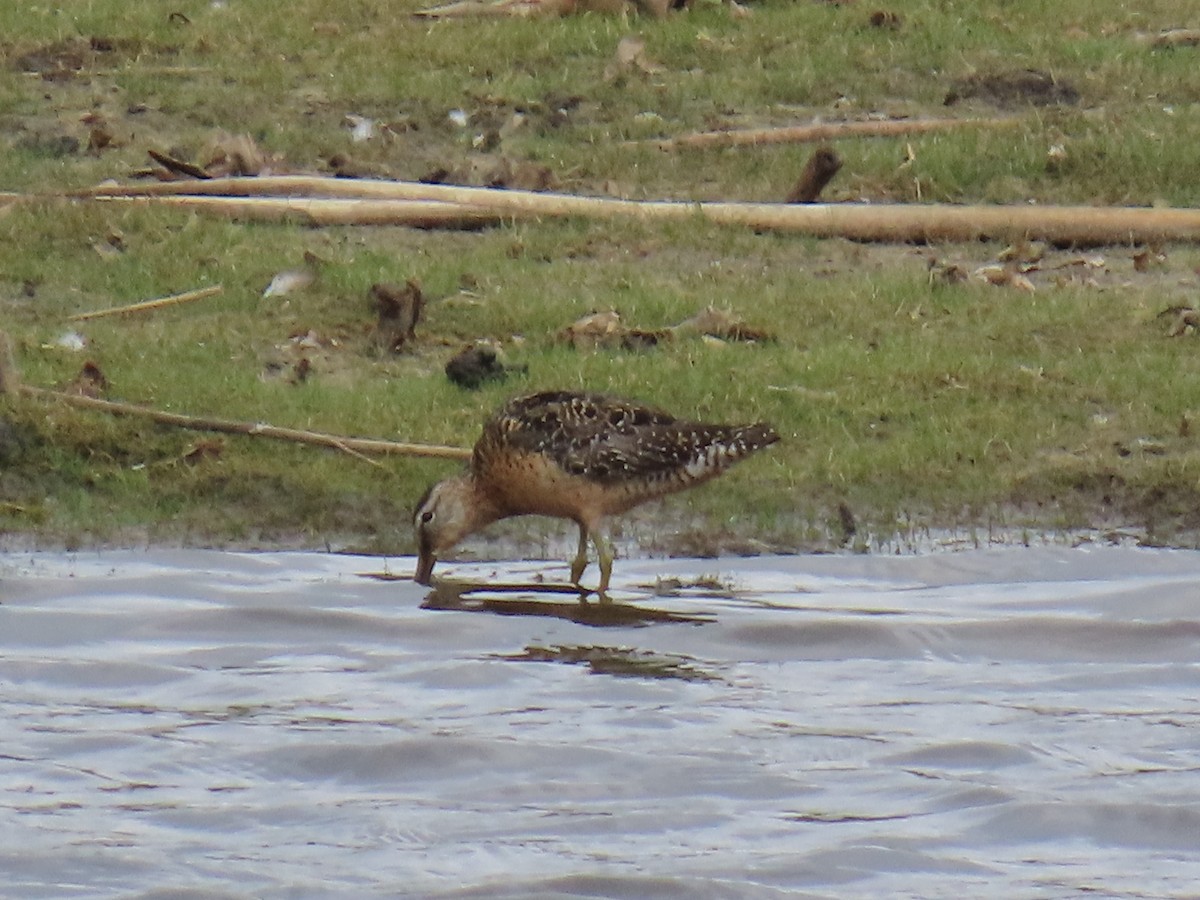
425,561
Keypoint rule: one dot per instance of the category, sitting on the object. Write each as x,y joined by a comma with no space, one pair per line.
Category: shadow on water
479,597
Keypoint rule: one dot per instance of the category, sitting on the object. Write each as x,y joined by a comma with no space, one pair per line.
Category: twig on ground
354,446
145,305
822,131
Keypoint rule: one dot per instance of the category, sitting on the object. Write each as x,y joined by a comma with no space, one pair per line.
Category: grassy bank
909,397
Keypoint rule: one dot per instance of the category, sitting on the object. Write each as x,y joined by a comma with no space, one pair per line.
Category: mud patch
67,59
1158,512
1028,87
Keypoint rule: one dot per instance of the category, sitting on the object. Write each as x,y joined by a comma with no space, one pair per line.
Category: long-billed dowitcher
576,456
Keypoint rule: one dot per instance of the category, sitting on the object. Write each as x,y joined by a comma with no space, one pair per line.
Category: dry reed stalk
256,429
906,223
822,131
146,305
327,210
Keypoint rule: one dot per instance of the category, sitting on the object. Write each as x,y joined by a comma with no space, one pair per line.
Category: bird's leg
579,563
604,554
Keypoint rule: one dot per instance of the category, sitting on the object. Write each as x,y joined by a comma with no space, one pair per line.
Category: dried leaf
605,329
1149,257
111,247
1186,319
1056,157
203,449
1004,276
992,274
630,56
629,48
594,330
1084,261
236,154
1021,283
1023,252
946,273
722,324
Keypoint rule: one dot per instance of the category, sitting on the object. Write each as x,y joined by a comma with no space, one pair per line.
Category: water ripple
179,724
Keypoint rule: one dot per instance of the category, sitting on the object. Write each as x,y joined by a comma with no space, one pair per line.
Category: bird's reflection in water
530,600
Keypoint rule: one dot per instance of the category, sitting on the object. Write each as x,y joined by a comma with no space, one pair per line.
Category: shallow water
998,723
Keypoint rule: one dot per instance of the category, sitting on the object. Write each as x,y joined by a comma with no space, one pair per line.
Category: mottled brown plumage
576,456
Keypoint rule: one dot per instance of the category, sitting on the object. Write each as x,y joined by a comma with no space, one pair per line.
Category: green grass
913,404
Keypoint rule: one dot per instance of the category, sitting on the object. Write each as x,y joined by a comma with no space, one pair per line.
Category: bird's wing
552,411
606,439
682,450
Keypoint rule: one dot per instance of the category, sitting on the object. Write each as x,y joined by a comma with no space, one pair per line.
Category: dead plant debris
66,59
723,324
477,364
399,311
818,172
203,450
342,165
90,382
1184,320
630,57
1004,275
1148,258
226,155
606,330
491,171
885,18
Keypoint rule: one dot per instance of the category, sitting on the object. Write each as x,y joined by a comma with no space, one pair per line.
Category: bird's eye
427,517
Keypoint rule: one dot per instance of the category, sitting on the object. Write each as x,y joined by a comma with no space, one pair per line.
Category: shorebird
577,456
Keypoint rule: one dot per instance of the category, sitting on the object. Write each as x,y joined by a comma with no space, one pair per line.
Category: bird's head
443,517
